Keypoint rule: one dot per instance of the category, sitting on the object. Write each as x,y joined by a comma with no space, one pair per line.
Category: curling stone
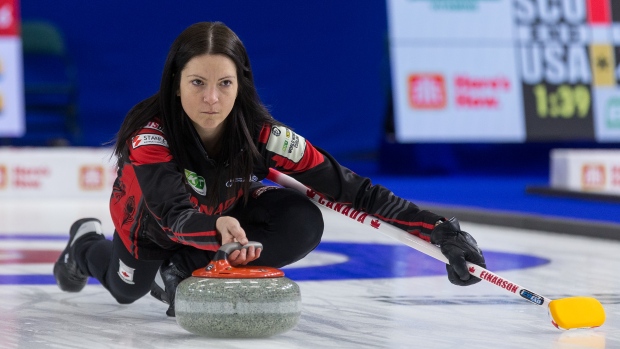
237,302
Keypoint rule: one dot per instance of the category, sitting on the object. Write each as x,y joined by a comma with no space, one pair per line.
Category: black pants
287,224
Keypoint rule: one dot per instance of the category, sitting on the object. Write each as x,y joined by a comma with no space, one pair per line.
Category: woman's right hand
230,230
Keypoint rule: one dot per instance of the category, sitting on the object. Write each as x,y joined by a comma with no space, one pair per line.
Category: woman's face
208,89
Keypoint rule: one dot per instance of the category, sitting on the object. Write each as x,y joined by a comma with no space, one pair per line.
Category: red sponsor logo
9,18
474,92
593,176
615,176
29,177
136,141
4,178
472,269
496,280
92,177
427,91
464,82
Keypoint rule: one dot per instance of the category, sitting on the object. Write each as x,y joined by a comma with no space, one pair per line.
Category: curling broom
566,313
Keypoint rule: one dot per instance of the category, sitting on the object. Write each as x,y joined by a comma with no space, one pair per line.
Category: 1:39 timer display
565,101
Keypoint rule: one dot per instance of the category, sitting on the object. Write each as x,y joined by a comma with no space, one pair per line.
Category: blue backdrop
320,66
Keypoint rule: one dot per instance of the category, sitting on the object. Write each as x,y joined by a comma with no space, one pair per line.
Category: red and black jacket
156,207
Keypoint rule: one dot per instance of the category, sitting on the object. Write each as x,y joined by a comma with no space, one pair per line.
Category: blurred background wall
321,67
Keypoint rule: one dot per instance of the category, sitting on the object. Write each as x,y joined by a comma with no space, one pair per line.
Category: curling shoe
66,272
164,286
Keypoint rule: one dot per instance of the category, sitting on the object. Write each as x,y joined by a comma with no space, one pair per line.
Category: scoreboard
505,70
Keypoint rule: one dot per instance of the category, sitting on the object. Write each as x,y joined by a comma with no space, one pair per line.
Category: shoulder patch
148,139
286,143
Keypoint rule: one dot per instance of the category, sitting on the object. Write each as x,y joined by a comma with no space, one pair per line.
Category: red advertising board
9,18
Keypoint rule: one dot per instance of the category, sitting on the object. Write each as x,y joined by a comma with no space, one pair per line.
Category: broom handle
404,237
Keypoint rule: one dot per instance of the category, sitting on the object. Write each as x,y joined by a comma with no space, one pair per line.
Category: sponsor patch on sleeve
286,143
148,139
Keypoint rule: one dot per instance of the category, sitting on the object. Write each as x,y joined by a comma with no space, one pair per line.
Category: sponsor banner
12,122
596,171
49,173
457,94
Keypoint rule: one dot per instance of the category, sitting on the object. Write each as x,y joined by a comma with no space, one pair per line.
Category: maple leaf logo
472,269
375,223
310,193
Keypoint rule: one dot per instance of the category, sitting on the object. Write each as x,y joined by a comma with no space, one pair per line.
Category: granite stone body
237,308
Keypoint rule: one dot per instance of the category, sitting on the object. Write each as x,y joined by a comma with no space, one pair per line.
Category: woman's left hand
244,256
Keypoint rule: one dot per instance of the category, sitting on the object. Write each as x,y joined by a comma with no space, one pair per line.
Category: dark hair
241,127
